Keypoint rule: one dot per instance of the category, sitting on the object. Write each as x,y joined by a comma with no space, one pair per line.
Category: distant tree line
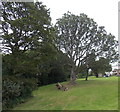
36,53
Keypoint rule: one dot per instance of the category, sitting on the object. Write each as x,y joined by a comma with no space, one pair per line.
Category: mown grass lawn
94,94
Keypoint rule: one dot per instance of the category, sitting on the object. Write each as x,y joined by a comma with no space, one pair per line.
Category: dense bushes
17,86
16,90
55,75
56,70
20,80
18,83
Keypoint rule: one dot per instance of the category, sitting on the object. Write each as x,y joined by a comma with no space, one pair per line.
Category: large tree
79,36
24,25
26,31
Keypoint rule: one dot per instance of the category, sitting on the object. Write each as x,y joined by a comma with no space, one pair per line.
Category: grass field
94,94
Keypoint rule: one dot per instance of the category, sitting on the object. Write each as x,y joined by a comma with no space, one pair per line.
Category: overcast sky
104,12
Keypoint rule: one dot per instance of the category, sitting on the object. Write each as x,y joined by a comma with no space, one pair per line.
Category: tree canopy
79,36
24,25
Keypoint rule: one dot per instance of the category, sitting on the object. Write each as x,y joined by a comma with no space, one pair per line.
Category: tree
24,25
26,31
101,66
27,43
79,36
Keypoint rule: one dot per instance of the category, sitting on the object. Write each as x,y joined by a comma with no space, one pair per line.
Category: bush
15,91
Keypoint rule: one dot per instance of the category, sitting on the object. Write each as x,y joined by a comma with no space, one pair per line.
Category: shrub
15,91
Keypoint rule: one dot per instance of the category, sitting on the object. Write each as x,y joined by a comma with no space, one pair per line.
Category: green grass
94,94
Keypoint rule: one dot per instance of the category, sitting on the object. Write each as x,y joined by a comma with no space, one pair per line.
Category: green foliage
101,66
16,90
81,75
7,65
22,64
28,23
60,68
56,69
27,34
97,66
26,31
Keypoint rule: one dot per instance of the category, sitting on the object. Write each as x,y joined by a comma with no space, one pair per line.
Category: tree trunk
72,76
96,74
86,78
